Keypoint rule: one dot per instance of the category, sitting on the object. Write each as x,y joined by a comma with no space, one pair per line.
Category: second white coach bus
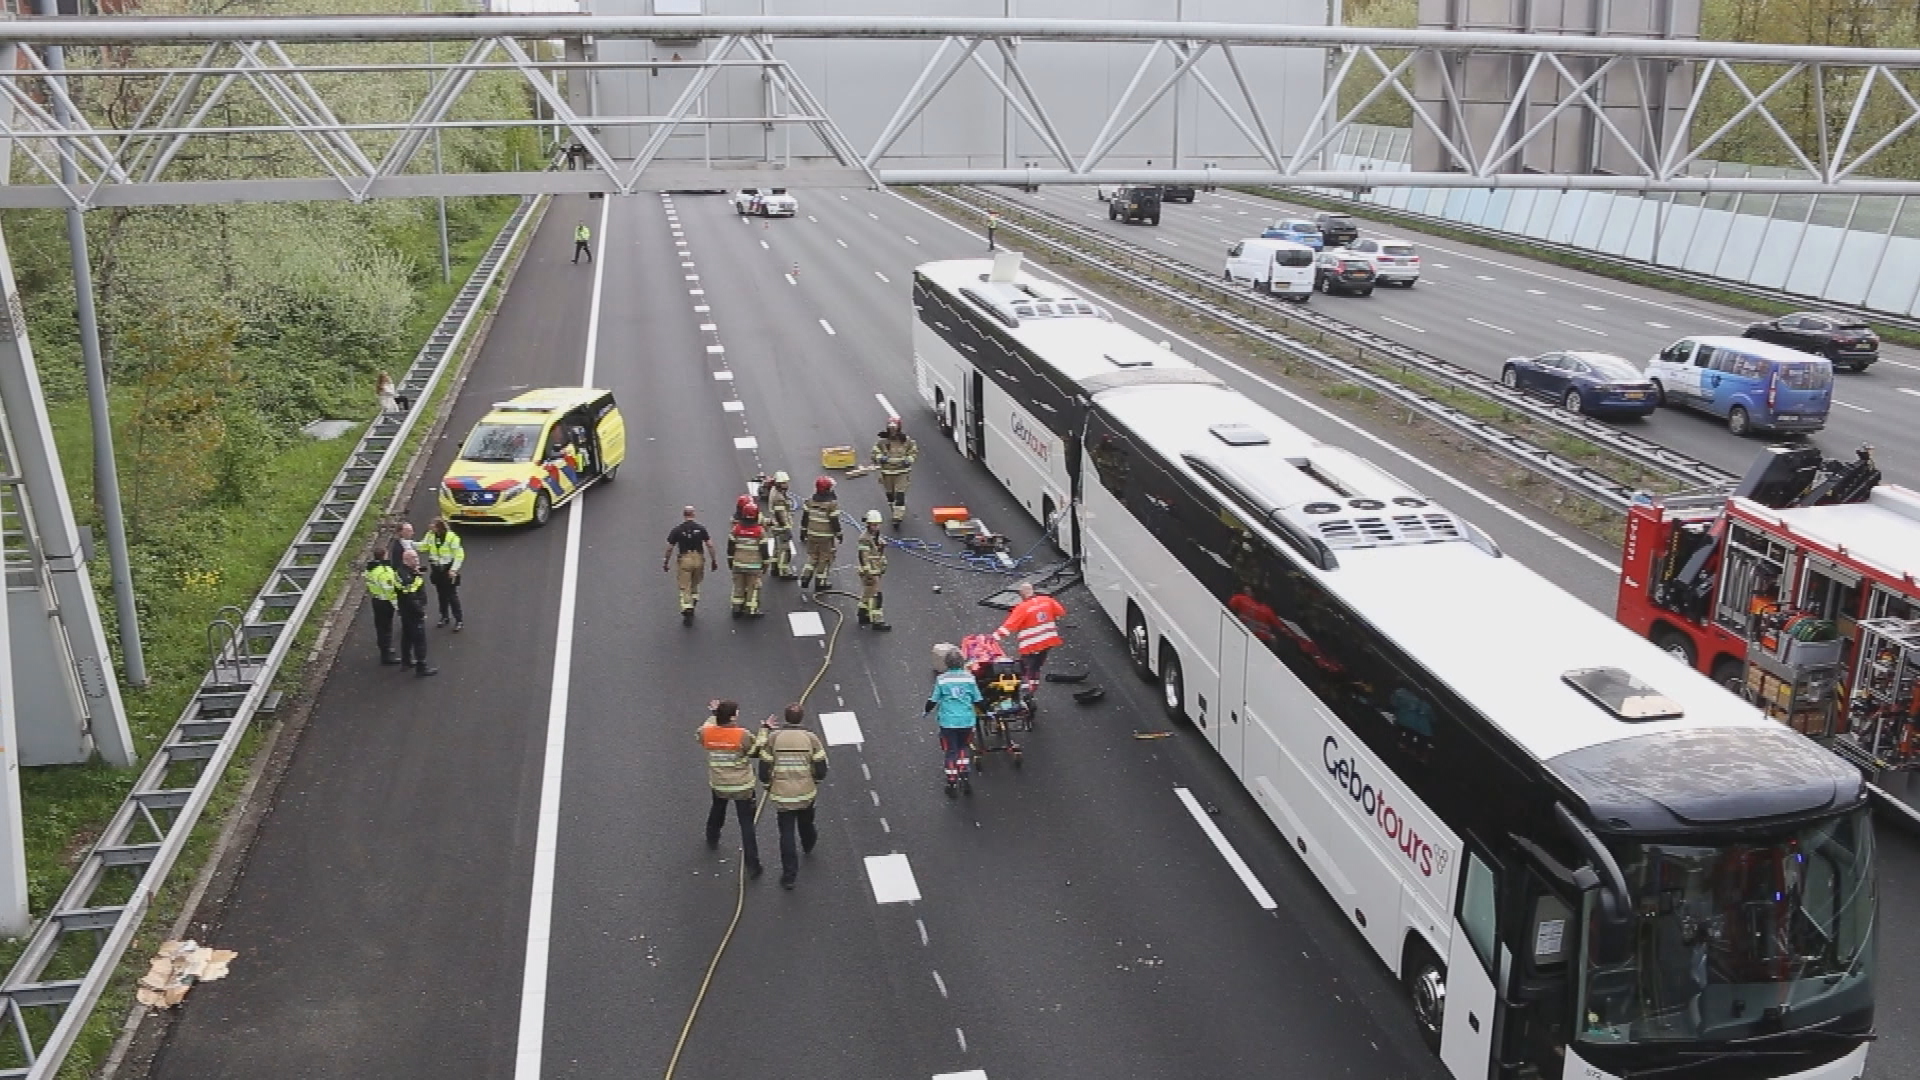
1582,859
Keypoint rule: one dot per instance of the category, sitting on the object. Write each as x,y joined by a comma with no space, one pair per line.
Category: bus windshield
1734,940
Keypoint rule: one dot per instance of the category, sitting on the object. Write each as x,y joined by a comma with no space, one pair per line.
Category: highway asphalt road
1476,308
536,808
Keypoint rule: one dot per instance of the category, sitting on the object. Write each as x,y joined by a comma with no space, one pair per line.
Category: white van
1280,267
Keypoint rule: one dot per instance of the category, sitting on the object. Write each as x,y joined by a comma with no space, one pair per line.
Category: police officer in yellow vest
873,567
793,761
383,588
894,453
445,555
731,751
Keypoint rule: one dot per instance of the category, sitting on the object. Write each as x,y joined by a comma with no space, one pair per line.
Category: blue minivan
1755,385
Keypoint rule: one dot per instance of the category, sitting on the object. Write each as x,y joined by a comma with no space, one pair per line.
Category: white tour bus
1582,859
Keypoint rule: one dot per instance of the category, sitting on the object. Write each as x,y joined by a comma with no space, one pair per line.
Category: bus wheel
1173,687
1427,988
1678,645
1139,644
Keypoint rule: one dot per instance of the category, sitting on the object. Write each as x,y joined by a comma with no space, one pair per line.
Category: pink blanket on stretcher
980,649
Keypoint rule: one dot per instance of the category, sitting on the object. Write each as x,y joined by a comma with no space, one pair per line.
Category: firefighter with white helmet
776,517
873,567
820,529
894,453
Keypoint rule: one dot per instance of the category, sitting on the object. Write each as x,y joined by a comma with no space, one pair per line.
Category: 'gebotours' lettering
1373,803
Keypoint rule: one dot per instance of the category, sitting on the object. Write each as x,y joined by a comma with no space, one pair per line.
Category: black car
1595,383
1339,229
1342,272
1137,203
1176,193
1844,339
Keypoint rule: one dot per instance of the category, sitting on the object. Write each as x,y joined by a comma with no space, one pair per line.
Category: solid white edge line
1238,864
533,980
1460,485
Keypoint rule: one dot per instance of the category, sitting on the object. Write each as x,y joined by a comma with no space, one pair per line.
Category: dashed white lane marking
1658,325
701,309
890,875
1489,326
865,772
840,729
766,245
884,827
1215,220
962,1036
686,266
679,243
735,405
839,241
1091,214
1536,292
1169,243
843,198
1898,363
692,277
1908,390
1239,865
912,241
940,984
789,278
882,277
1441,266
1482,277
885,404
806,624
1577,326
874,795
696,292
723,376
708,326
827,326
1593,307
970,1074
813,219
1849,405
715,350
873,215
922,924
746,442
1397,322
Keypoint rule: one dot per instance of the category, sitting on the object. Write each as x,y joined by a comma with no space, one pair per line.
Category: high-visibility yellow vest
445,551
382,582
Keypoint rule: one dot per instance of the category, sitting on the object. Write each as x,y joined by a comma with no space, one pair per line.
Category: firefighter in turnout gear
776,510
873,567
731,753
793,761
894,454
746,557
820,526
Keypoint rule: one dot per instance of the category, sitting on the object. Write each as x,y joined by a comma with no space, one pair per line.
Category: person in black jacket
412,602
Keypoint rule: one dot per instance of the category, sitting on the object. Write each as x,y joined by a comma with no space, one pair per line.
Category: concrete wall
861,83
1576,142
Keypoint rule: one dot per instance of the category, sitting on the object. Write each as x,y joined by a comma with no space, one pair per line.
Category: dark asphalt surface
1073,919
1476,308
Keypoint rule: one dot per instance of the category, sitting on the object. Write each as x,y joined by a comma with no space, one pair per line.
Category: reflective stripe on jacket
820,518
894,456
1032,624
382,582
954,695
730,749
873,555
793,761
444,550
744,552
410,593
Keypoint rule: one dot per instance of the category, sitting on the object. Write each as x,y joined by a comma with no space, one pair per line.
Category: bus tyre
1738,421
1427,989
542,509
1139,645
1676,644
1173,687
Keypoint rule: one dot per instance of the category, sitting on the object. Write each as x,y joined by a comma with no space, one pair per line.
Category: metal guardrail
246,650
1621,262
1558,467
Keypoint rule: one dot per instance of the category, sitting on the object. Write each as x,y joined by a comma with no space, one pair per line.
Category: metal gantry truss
1863,102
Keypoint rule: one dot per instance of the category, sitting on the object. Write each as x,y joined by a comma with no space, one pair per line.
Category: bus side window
1110,460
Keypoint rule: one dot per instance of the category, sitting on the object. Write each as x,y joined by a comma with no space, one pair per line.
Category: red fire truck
1799,588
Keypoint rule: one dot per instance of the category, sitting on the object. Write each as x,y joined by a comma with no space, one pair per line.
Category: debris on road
178,967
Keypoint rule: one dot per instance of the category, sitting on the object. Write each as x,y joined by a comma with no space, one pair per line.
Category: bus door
1538,983
1473,957
1225,722
976,415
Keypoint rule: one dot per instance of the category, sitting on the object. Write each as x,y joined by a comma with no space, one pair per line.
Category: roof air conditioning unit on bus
1006,266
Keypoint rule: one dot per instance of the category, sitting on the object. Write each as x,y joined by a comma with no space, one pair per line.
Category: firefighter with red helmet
746,557
894,453
820,528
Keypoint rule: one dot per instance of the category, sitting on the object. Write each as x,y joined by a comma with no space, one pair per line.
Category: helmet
742,503
824,484
749,510
893,423
782,478
874,518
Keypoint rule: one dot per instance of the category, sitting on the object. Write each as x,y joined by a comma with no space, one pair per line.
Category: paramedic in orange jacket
1035,629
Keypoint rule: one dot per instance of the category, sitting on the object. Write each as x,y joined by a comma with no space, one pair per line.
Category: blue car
1296,232
1597,384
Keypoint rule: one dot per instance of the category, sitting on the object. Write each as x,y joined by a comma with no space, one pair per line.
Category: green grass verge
1651,277
66,807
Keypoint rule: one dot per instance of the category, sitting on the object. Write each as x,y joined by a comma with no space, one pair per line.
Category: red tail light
1773,390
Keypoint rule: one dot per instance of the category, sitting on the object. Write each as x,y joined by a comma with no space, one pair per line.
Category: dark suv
1341,272
1845,339
1137,203
1339,229
1176,193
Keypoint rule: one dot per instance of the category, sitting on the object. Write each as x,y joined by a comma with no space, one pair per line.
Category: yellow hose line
740,893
